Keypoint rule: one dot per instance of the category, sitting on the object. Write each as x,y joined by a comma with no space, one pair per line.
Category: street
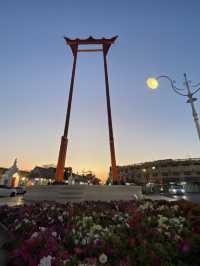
194,197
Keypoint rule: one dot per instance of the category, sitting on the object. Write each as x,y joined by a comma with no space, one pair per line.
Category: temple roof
90,40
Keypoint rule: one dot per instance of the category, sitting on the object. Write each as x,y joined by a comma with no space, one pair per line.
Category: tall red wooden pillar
59,177
110,128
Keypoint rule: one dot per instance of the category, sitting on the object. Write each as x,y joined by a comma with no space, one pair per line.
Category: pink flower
65,255
78,250
184,246
51,245
91,261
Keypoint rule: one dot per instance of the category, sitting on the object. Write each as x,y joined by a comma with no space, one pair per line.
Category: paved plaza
79,193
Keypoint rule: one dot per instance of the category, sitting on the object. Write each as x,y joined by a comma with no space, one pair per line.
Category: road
194,197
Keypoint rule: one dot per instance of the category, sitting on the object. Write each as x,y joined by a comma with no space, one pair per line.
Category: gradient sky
155,37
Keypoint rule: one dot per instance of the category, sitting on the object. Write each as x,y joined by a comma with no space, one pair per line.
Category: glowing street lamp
153,84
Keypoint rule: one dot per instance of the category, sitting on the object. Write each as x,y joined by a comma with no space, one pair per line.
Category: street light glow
152,83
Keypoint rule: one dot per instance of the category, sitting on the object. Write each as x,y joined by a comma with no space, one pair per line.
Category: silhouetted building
168,170
47,172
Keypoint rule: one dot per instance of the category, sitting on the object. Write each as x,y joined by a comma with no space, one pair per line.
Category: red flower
132,242
32,242
184,246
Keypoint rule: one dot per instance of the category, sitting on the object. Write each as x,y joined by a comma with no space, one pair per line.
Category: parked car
150,188
7,191
20,190
177,190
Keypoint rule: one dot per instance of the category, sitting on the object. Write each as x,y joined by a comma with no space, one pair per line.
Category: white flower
45,261
97,227
103,258
60,218
54,234
18,226
76,241
42,229
84,242
162,207
177,237
88,240
26,220
162,220
176,207
164,226
35,235
167,234
127,225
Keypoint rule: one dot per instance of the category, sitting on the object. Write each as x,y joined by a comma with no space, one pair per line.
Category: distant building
23,175
48,172
2,171
168,170
86,178
42,175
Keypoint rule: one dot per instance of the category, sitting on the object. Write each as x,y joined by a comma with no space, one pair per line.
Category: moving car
7,191
177,190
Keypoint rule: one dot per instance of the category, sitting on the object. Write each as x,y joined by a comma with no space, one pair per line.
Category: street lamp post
153,83
145,175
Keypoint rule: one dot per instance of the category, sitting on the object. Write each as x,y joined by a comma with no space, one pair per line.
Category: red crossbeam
90,50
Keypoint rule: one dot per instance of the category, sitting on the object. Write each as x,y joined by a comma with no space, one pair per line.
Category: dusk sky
155,37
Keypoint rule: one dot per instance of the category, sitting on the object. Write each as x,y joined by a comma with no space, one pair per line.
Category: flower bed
101,233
